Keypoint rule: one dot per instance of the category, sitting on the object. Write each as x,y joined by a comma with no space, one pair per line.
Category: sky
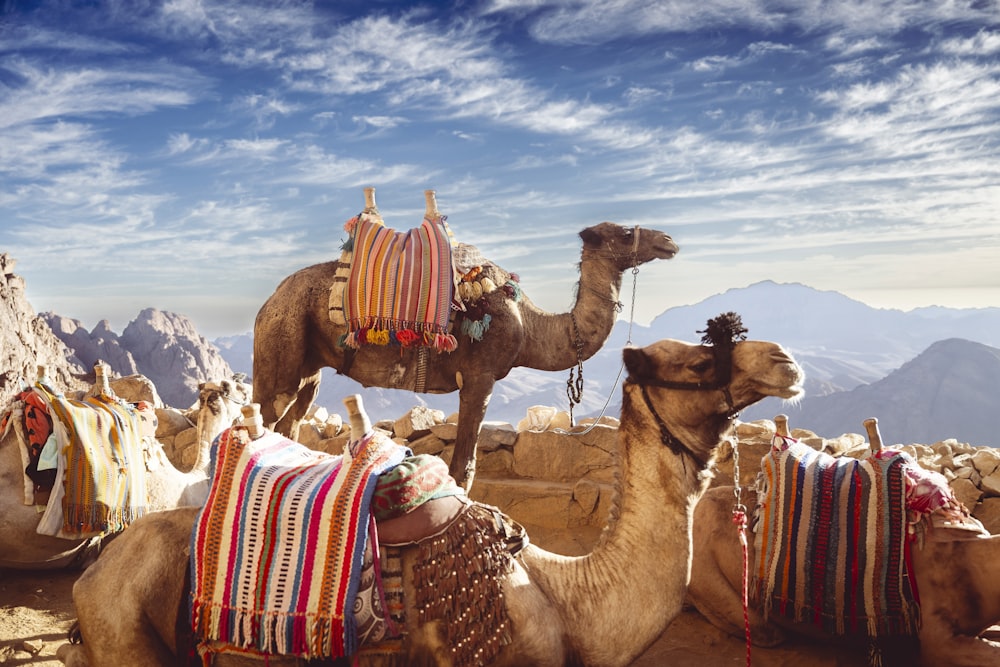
187,155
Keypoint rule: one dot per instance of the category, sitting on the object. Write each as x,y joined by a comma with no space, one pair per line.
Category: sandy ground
36,611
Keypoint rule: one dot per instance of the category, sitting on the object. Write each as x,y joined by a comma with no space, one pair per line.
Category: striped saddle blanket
277,551
101,465
832,547
401,285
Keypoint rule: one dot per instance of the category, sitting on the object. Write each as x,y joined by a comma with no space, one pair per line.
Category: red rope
740,519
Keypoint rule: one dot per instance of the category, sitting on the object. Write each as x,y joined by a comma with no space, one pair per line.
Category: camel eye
702,366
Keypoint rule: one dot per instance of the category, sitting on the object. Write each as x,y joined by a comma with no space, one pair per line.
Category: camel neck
557,341
638,572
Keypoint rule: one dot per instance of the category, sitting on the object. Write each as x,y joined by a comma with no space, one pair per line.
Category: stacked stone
559,481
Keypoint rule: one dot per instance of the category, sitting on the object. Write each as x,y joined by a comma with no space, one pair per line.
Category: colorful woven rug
103,469
831,542
401,286
277,551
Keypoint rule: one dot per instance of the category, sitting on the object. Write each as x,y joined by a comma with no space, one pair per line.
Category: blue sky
187,155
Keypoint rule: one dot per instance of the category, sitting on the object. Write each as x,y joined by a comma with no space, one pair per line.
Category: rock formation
26,341
162,346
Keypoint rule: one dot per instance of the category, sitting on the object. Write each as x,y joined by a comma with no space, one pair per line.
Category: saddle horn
101,383
252,420
432,207
781,425
360,423
370,199
874,437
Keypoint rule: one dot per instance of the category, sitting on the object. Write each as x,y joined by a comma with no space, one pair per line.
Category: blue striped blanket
831,542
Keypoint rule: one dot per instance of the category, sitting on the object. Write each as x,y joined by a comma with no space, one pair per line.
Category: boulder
494,435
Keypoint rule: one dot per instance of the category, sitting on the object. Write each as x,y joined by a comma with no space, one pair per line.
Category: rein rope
740,520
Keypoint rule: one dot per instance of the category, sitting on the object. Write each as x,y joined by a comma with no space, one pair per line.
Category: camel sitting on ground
167,487
957,574
602,609
295,338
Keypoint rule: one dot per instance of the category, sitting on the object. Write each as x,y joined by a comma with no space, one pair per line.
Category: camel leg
959,598
128,607
716,587
289,422
473,396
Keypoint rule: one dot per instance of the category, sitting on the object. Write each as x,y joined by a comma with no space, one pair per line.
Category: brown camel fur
24,548
601,609
958,582
295,338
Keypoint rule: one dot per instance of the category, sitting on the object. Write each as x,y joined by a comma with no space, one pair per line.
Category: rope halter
722,334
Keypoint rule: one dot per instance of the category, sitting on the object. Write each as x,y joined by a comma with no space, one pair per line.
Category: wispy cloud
201,126
594,21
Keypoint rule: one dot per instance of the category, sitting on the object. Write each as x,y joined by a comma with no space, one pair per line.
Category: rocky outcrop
26,341
162,346
89,347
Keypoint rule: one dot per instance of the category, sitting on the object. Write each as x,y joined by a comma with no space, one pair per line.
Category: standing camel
22,547
957,575
602,609
295,338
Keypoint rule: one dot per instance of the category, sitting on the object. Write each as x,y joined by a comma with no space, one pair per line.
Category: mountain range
926,374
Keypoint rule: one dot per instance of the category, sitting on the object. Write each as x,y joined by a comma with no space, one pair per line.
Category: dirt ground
36,611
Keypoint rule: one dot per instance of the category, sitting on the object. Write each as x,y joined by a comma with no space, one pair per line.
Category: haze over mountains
927,374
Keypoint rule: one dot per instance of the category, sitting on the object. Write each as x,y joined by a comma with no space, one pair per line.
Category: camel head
627,246
219,406
694,392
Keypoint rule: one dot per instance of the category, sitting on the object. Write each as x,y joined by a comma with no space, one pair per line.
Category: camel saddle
401,285
833,536
382,502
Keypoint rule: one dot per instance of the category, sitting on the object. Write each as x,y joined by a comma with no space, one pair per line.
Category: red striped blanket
103,473
277,550
401,286
831,542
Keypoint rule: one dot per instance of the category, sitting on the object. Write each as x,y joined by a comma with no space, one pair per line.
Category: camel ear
591,237
637,363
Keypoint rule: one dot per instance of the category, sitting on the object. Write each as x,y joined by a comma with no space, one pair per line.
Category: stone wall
560,484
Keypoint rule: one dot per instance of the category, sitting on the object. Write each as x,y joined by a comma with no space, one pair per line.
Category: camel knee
463,472
275,409
72,655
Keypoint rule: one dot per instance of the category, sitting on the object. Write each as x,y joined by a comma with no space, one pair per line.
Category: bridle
675,444
722,334
220,392
574,385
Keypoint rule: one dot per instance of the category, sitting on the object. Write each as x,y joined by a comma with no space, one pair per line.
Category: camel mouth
792,392
665,248
792,377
